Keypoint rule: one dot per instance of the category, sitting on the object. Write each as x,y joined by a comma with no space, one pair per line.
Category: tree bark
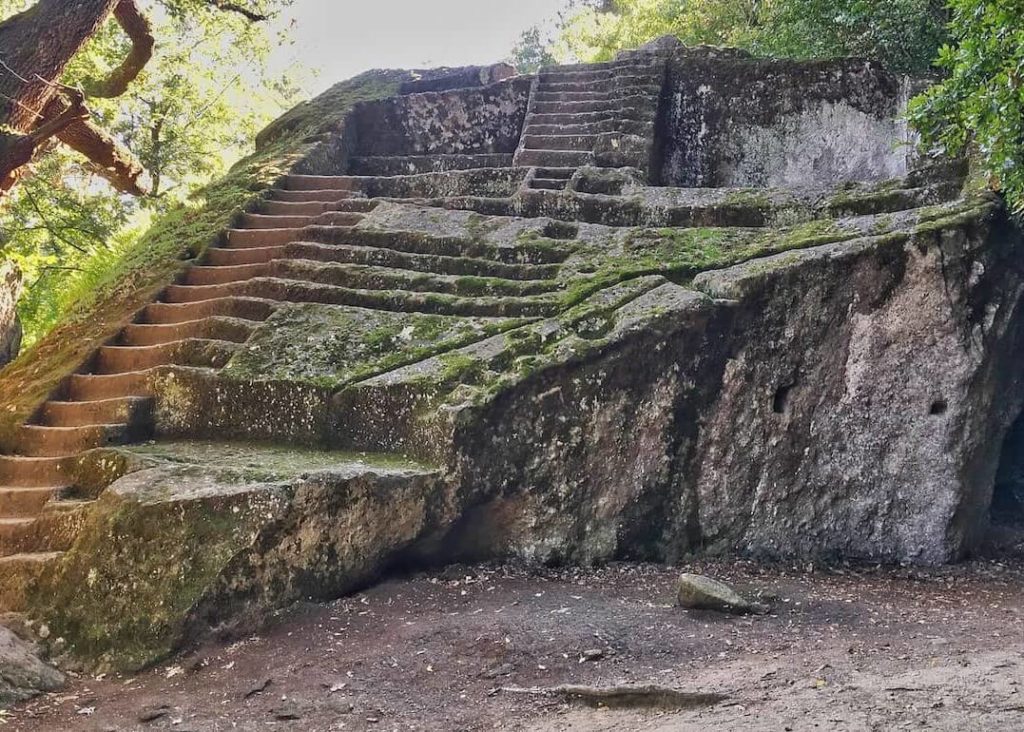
136,26
35,47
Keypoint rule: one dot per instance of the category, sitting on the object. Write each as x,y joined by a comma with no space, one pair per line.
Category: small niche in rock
781,398
939,406
1008,495
560,230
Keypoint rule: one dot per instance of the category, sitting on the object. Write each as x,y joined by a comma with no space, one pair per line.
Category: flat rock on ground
843,649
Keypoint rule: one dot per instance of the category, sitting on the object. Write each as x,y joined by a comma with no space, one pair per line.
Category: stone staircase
303,246
596,114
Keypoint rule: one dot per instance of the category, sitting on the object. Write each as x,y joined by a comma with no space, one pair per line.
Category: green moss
158,256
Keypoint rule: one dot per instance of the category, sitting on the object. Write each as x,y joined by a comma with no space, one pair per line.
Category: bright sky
342,38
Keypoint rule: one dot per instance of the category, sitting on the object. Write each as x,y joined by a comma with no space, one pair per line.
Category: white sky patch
341,38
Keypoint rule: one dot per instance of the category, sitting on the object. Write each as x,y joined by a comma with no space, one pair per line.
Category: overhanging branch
136,26
231,7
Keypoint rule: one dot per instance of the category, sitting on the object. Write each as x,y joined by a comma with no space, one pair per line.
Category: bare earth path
846,649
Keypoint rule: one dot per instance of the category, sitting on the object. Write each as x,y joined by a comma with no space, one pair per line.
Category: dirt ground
854,648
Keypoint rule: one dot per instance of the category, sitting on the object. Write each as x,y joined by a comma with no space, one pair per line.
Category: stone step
18,575
632,114
33,472
417,164
324,195
99,387
321,183
581,73
271,221
603,81
19,502
618,107
316,208
188,352
629,65
42,441
622,126
221,257
436,263
364,277
295,208
549,184
127,410
218,327
244,308
554,158
560,173
216,274
287,290
612,95
259,238
560,142
419,243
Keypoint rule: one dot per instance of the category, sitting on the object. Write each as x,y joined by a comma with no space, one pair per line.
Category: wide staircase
303,246
595,114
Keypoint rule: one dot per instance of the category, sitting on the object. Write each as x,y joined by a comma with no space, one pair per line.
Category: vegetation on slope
151,262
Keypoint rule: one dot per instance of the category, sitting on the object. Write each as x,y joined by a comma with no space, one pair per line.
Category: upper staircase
596,114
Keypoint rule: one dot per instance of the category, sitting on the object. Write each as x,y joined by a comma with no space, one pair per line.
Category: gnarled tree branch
231,7
136,26
110,160
17,150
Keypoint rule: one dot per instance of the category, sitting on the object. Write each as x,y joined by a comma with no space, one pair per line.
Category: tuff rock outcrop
684,302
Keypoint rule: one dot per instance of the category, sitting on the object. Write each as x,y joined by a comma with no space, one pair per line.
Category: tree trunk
39,43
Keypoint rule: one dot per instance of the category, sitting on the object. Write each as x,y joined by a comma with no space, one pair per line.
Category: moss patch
331,346
158,256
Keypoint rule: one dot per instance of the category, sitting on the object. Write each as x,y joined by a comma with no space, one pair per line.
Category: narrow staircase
598,114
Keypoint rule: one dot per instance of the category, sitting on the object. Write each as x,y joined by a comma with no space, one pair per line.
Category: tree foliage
980,103
192,110
903,34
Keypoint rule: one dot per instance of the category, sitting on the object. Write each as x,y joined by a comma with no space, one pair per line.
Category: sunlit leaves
981,101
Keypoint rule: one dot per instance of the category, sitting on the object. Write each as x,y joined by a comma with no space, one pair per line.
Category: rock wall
730,120
845,400
455,122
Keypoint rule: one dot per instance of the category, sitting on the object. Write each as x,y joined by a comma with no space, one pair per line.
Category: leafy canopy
193,110
903,34
980,104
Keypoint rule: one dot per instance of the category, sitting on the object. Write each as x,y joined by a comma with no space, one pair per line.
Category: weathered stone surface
696,592
598,368
838,400
463,121
23,674
175,550
751,122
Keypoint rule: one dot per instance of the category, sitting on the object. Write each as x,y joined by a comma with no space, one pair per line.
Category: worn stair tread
259,238
290,290
320,182
382,277
437,263
223,257
255,309
85,413
321,195
219,327
26,501
215,274
33,471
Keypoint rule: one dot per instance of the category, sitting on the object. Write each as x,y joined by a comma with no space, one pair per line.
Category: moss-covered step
216,537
